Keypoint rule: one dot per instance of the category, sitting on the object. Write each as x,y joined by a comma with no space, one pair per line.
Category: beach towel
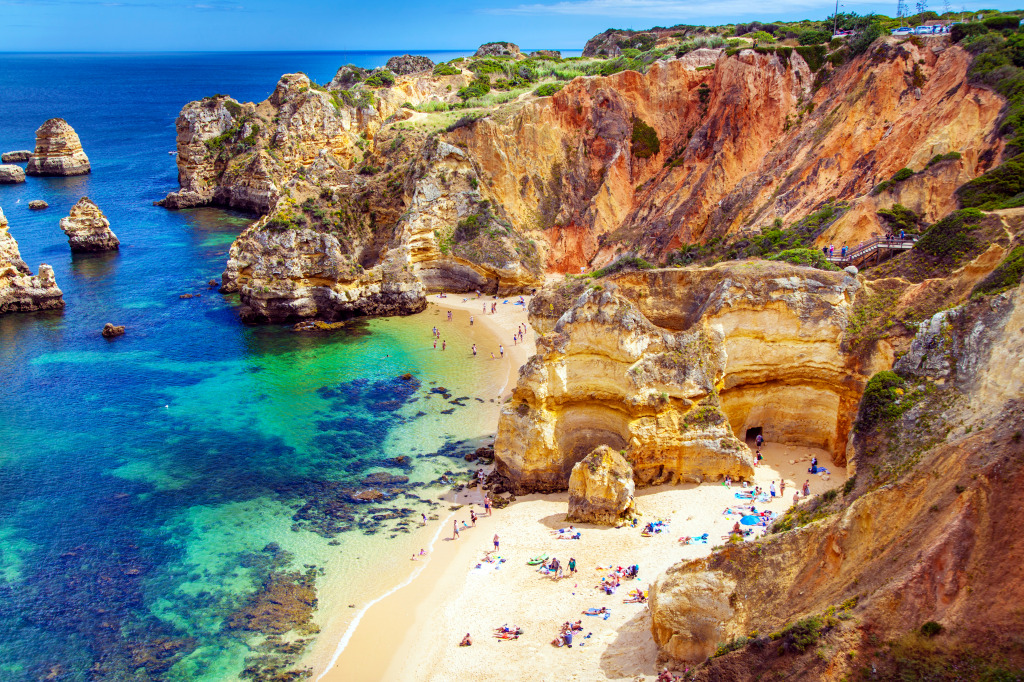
539,559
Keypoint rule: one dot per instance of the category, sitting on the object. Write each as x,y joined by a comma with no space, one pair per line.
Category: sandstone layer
677,367
926,537
58,151
19,156
87,229
601,488
11,174
20,291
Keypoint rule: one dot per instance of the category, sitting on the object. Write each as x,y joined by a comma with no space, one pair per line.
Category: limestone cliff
88,230
675,366
923,533
20,291
58,151
601,488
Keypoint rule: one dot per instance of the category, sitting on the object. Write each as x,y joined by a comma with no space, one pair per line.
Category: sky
213,25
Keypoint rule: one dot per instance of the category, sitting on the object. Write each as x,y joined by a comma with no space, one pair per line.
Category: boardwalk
875,250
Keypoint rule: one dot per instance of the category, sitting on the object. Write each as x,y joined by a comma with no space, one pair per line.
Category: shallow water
142,478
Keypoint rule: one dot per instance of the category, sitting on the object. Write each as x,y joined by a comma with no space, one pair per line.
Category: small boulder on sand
111,330
601,488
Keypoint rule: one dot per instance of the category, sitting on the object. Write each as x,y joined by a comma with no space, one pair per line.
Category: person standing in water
444,344
474,350
455,530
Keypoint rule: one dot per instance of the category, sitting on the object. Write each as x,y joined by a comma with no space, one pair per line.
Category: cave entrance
752,434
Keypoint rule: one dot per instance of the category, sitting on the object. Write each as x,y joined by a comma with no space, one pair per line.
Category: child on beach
455,530
496,542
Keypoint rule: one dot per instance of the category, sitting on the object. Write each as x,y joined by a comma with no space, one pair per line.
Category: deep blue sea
151,485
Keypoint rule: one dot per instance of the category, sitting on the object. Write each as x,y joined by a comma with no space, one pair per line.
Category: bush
626,262
960,31
988,191
863,40
949,240
899,217
1006,276
813,37
802,256
468,228
880,401
1000,22
446,70
902,174
931,628
548,89
761,37
381,79
814,55
939,158
645,140
477,88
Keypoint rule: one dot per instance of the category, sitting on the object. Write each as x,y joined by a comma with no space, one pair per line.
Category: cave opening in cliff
752,434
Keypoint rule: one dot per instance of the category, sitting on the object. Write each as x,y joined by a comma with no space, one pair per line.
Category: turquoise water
151,485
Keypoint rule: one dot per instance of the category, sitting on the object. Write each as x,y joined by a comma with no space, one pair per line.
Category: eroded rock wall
672,365
20,290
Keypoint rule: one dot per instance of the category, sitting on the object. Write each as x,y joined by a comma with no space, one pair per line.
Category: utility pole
835,19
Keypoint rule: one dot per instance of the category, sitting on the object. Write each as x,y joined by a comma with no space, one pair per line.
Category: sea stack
20,291
88,230
19,156
58,151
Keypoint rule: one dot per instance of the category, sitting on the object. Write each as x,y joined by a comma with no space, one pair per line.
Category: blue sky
170,25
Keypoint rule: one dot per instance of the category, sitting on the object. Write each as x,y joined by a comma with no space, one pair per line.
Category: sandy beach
413,633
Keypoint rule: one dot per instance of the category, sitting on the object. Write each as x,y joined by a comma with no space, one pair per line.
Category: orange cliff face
743,140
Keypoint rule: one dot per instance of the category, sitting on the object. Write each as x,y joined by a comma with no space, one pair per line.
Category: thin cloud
654,9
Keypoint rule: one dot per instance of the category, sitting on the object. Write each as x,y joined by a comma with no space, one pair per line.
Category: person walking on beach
496,543
771,489
807,488
472,517
424,518
487,505
449,316
444,344
474,350
572,565
435,344
455,530
782,487
501,349
470,320
759,441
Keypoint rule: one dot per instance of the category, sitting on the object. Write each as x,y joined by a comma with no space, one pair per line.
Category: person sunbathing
466,641
594,611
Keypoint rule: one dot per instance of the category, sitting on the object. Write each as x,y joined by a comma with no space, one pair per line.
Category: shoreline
487,331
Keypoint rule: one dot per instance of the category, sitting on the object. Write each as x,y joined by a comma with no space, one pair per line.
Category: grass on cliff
1006,276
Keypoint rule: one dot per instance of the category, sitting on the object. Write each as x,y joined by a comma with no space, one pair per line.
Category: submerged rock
19,156
20,291
58,151
10,174
111,330
601,488
88,230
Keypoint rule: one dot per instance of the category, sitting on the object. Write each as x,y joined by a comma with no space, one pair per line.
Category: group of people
830,250
565,633
553,567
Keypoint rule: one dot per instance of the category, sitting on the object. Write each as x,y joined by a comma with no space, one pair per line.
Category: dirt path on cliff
414,633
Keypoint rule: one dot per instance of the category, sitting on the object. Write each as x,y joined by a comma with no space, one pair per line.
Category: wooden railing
872,246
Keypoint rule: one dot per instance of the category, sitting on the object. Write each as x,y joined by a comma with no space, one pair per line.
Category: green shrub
803,256
629,262
860,43
381,79
814,37
446,70
761,37
469,228
996,186
645,140
902,174
931,628
939,158
880,401
814,55
899,217
950,240
478,87
1006,276
548,89
960,31
1001,22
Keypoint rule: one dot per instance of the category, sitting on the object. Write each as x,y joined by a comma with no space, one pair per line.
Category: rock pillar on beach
88,230
58,151
601,488
20,291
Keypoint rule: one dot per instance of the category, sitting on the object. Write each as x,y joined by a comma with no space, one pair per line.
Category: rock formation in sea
20,291
58,151
88,230
111,330
409,63
601,488
676,367
38,205
19,156
11,174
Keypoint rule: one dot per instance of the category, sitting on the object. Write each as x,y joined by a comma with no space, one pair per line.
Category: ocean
174,503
